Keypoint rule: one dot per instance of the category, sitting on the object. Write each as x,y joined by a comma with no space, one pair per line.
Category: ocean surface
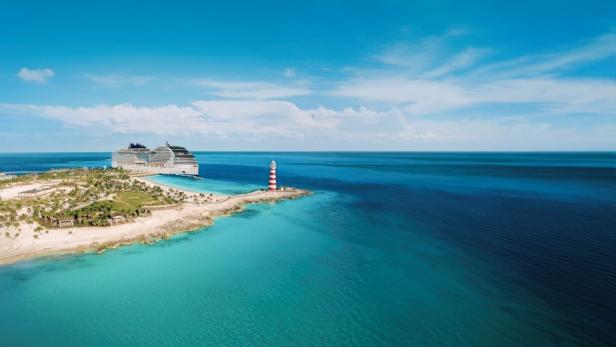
393,249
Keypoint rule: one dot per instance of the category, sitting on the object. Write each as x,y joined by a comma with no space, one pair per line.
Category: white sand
160,224
13,191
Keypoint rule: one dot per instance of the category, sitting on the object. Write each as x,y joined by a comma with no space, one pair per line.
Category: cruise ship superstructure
166,160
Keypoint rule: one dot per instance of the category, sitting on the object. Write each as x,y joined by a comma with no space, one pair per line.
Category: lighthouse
272,176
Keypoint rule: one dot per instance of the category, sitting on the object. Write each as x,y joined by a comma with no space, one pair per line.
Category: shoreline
160,225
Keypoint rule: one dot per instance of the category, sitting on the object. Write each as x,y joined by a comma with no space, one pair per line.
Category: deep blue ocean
393,249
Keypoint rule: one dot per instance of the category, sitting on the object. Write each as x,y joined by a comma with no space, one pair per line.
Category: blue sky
319,75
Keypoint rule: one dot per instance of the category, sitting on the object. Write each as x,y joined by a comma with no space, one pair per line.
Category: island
92,210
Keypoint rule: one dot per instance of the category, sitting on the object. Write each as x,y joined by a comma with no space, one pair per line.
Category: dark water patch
27,270
36,162
132,249
247,213
560,250
604,174
564,252
175,239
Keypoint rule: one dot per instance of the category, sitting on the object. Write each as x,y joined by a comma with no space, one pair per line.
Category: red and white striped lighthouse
272,176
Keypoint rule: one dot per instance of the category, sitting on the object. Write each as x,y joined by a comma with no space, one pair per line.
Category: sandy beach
197,212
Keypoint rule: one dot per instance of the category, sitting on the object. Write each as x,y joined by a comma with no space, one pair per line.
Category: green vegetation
82,197
133,200
8,214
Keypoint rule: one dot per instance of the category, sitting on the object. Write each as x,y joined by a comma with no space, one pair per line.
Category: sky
308,75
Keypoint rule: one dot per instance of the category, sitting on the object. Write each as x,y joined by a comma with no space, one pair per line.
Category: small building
34,192
118,219
27,193
65,223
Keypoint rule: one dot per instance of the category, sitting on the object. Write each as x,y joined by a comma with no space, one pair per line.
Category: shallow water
392,249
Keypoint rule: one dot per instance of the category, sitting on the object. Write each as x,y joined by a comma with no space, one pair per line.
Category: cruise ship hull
180,170
165,160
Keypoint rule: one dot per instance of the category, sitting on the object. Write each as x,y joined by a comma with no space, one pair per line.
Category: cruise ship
166,160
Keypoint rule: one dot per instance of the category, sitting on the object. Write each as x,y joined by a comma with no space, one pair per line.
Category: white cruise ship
166,160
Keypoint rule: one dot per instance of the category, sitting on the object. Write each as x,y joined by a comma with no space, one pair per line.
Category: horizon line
341,151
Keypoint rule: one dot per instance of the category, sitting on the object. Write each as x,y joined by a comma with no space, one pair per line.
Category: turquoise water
391,250
207,185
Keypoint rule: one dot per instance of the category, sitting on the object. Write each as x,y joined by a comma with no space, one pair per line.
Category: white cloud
425,97
433,57
412,57
273,121
268,116
420,96
418,86
250,89
465,59
496,134
289,73
206,117
123,118
35,75
598,48
561,95
430,56
119,80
